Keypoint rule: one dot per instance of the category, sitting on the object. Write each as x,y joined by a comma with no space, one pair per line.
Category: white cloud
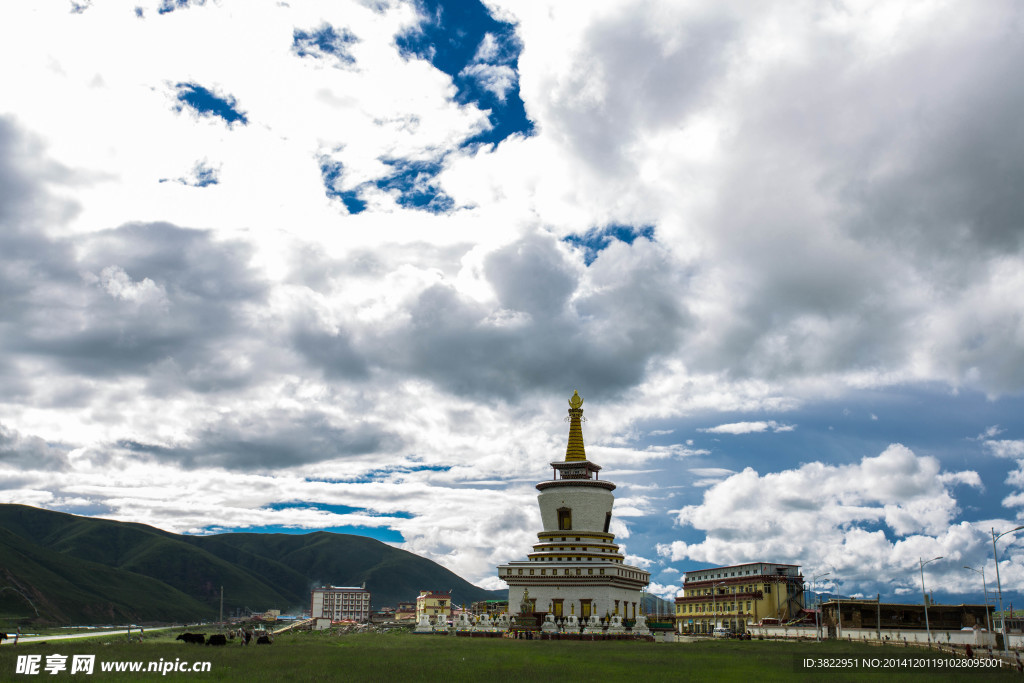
497,78
994,430
749,427
863,520
665,592
1006,448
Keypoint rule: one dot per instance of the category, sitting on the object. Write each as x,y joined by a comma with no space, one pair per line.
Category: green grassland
315,656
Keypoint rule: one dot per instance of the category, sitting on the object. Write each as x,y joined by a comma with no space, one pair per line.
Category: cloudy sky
296,265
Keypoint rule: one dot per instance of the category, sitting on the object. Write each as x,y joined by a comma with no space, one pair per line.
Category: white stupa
576,568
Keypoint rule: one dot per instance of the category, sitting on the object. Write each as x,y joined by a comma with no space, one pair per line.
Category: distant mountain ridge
64,568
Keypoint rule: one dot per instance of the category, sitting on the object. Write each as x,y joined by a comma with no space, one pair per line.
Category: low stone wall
909,636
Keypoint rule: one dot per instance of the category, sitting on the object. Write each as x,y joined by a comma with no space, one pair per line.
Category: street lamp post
817,598
984,587
924,597
999,585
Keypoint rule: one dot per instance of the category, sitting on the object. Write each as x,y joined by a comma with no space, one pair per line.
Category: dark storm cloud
140,294
271,441
543,340
30,452
867,200
632,77
531,276
959,187
332,351
116,302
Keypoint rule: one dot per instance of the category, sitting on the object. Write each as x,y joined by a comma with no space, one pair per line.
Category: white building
341,603
576,567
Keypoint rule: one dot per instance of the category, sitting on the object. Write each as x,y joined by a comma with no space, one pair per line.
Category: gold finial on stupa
576,401
574,450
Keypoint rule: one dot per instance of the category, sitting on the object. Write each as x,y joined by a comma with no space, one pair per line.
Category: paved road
90,634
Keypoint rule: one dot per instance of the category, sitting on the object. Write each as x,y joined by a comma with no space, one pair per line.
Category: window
564,518
607,521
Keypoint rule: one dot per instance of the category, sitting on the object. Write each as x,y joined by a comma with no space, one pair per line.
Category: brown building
870,614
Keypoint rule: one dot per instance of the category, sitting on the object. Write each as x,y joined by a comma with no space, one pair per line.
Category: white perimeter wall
972,637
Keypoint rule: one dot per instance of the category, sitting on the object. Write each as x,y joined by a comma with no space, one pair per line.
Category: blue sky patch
171,5
383,534
330,171
597,239
324,42
382,474
207,103
413,185
202,175
461,39
414,181
338,509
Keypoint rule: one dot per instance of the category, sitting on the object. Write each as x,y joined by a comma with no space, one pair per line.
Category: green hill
63,568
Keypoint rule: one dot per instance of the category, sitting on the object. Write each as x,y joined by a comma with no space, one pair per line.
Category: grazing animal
217,639
264,640
3,637
193,638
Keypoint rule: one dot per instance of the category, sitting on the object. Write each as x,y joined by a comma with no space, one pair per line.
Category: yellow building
738,596
433,603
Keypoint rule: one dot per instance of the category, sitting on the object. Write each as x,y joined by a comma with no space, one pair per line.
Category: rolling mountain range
61,568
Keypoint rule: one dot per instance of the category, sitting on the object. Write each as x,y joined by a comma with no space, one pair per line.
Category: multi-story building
576,567
490,607
433,603
405,610
341,603
737,596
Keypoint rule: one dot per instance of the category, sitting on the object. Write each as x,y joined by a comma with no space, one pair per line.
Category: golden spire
575,451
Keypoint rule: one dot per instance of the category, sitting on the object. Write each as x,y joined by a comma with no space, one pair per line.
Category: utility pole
924,595
999,584
222,604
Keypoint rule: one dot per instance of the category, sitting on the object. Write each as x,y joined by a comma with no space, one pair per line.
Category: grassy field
402,657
